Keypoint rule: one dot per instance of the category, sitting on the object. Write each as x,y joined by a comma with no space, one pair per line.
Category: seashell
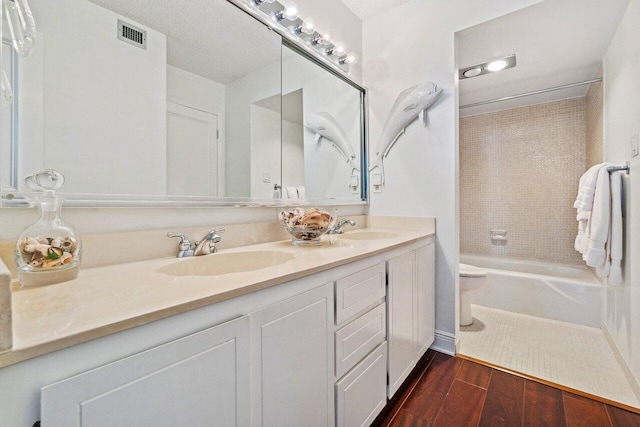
66,258
69,244
53,250
23,243
41,248
57,242
42,240
36,262
50,263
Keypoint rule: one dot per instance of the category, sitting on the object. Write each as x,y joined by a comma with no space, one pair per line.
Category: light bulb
326,37
338,49
289,12
497,65
307,26
351,58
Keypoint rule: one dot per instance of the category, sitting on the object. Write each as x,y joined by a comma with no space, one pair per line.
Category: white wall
240,94
292,153
621,121
410,44
84,82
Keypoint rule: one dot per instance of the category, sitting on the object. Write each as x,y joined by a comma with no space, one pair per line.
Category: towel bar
619,168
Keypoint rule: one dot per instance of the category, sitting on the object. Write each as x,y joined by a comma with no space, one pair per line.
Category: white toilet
471,278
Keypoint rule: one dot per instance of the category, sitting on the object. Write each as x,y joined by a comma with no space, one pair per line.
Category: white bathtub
559,292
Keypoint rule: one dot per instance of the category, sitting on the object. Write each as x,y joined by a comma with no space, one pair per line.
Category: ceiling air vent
131,34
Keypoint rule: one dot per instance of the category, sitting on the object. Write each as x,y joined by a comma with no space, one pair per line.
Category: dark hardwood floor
452,392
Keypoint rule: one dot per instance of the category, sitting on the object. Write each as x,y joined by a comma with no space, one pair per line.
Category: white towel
302,194
597,230
587,188
615,235
290,192
584,204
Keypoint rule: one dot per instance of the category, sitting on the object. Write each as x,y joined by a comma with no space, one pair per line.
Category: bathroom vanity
309,340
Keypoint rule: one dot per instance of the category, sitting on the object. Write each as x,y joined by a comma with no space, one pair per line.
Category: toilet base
466,318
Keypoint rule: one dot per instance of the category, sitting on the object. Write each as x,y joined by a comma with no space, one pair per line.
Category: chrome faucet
203,247
339,227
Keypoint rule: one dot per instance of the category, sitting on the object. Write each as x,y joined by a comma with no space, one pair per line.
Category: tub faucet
203,247
339,227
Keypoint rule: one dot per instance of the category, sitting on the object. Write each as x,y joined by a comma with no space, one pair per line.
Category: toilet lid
471,271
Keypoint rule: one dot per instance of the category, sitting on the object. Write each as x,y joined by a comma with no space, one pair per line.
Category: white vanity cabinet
202,379
410,312
292,361
325,349
361,351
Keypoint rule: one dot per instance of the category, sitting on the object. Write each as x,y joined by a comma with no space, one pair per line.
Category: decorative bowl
306,225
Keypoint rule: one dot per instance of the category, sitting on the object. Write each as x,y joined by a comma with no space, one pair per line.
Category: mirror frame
18,199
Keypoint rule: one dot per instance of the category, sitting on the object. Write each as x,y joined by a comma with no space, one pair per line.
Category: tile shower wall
594,123
519,171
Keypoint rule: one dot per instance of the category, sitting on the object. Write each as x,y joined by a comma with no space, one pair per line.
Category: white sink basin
367,235
225,263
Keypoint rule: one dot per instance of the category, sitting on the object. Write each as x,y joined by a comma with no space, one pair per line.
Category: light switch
376,182
635,145
266,177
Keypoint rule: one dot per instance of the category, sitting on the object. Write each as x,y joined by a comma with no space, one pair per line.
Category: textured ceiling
556,43
211,38
365,9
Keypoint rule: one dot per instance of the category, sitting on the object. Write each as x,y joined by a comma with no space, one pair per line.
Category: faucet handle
213,234
185,244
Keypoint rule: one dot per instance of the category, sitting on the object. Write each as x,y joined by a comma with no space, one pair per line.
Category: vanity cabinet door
293,361
401,319
425,299
202,379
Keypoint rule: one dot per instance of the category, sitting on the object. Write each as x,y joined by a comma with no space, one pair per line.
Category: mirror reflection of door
192,151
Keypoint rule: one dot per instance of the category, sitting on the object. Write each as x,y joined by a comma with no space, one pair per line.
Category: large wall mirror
157,102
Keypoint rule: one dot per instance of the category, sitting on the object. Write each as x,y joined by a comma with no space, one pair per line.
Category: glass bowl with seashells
306,225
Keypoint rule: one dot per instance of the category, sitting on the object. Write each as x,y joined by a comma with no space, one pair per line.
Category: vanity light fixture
337,49
493,66
350,58
286,15
306,27
290,12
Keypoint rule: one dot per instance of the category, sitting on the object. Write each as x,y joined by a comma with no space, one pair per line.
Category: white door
425,298
401,317
293,362
198,380
192,151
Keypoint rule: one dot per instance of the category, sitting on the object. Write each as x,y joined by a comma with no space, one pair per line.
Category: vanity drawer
359,337
359,291
362,393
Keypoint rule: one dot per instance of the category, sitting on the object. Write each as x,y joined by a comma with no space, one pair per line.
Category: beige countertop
109,299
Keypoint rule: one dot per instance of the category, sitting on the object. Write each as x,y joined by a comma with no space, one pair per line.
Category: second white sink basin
367,235
225,263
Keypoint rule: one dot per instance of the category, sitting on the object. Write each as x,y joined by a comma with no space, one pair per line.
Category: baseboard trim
623,363
444,342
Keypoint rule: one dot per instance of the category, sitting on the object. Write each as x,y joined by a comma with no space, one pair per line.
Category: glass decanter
48,251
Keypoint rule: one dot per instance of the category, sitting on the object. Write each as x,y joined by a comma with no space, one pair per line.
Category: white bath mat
571,355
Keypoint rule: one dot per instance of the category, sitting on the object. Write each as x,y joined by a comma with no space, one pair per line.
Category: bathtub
559,292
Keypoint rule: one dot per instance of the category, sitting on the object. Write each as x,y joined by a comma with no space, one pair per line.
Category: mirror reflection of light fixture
493,66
